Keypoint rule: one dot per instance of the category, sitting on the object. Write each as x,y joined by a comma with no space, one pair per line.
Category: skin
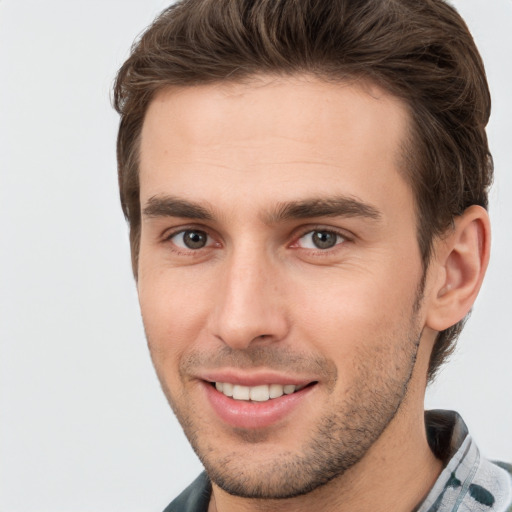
222,162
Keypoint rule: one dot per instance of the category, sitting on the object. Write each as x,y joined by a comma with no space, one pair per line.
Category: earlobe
461,261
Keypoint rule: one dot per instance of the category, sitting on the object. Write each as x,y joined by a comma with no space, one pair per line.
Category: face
279,275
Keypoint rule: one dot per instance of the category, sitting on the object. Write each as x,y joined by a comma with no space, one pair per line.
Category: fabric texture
468,482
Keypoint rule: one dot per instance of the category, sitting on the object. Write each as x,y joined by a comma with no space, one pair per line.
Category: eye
191,239
320,239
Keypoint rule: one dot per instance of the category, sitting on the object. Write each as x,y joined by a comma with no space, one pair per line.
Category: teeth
227,389
275,390
260,393
241,392
289,389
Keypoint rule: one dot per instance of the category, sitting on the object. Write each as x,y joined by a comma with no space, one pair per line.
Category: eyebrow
339,206
168,206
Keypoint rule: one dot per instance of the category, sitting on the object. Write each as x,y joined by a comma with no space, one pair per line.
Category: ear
460,261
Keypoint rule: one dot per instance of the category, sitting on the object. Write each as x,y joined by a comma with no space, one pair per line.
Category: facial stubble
341,437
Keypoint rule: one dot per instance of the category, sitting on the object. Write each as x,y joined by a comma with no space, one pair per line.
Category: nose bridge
249,306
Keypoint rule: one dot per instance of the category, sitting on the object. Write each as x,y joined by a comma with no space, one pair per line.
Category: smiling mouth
261,393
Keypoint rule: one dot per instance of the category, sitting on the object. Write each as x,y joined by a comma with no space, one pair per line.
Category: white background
83,423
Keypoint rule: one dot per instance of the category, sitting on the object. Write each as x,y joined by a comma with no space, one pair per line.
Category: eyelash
181,251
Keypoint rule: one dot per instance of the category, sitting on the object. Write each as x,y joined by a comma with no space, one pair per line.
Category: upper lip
253,378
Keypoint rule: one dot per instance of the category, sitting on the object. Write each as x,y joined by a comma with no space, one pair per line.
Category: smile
247,403
261,393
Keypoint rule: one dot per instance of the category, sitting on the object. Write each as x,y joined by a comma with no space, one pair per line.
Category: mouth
260,393
257,400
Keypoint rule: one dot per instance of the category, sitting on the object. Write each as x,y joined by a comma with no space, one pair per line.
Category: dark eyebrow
168,206
340,206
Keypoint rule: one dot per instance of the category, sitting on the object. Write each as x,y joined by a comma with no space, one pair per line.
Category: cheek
344,311
174,312
369,337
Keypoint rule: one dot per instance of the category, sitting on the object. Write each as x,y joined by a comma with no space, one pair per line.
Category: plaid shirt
468,483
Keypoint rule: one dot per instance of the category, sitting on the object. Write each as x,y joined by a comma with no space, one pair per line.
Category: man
306,186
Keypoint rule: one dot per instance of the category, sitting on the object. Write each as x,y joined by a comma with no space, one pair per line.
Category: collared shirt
468,482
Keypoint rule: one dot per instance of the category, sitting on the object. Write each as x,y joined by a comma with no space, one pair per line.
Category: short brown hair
418,50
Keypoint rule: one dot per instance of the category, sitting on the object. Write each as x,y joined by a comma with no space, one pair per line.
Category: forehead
279,136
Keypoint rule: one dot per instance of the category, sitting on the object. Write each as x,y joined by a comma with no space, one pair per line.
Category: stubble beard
340,440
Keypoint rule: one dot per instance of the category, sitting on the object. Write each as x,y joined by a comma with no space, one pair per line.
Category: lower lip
253,415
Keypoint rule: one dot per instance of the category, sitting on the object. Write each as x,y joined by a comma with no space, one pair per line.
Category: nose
250,307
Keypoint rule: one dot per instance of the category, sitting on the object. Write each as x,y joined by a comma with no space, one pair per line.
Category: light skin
278,246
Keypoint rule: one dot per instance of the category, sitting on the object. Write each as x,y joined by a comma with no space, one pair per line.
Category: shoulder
195,498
